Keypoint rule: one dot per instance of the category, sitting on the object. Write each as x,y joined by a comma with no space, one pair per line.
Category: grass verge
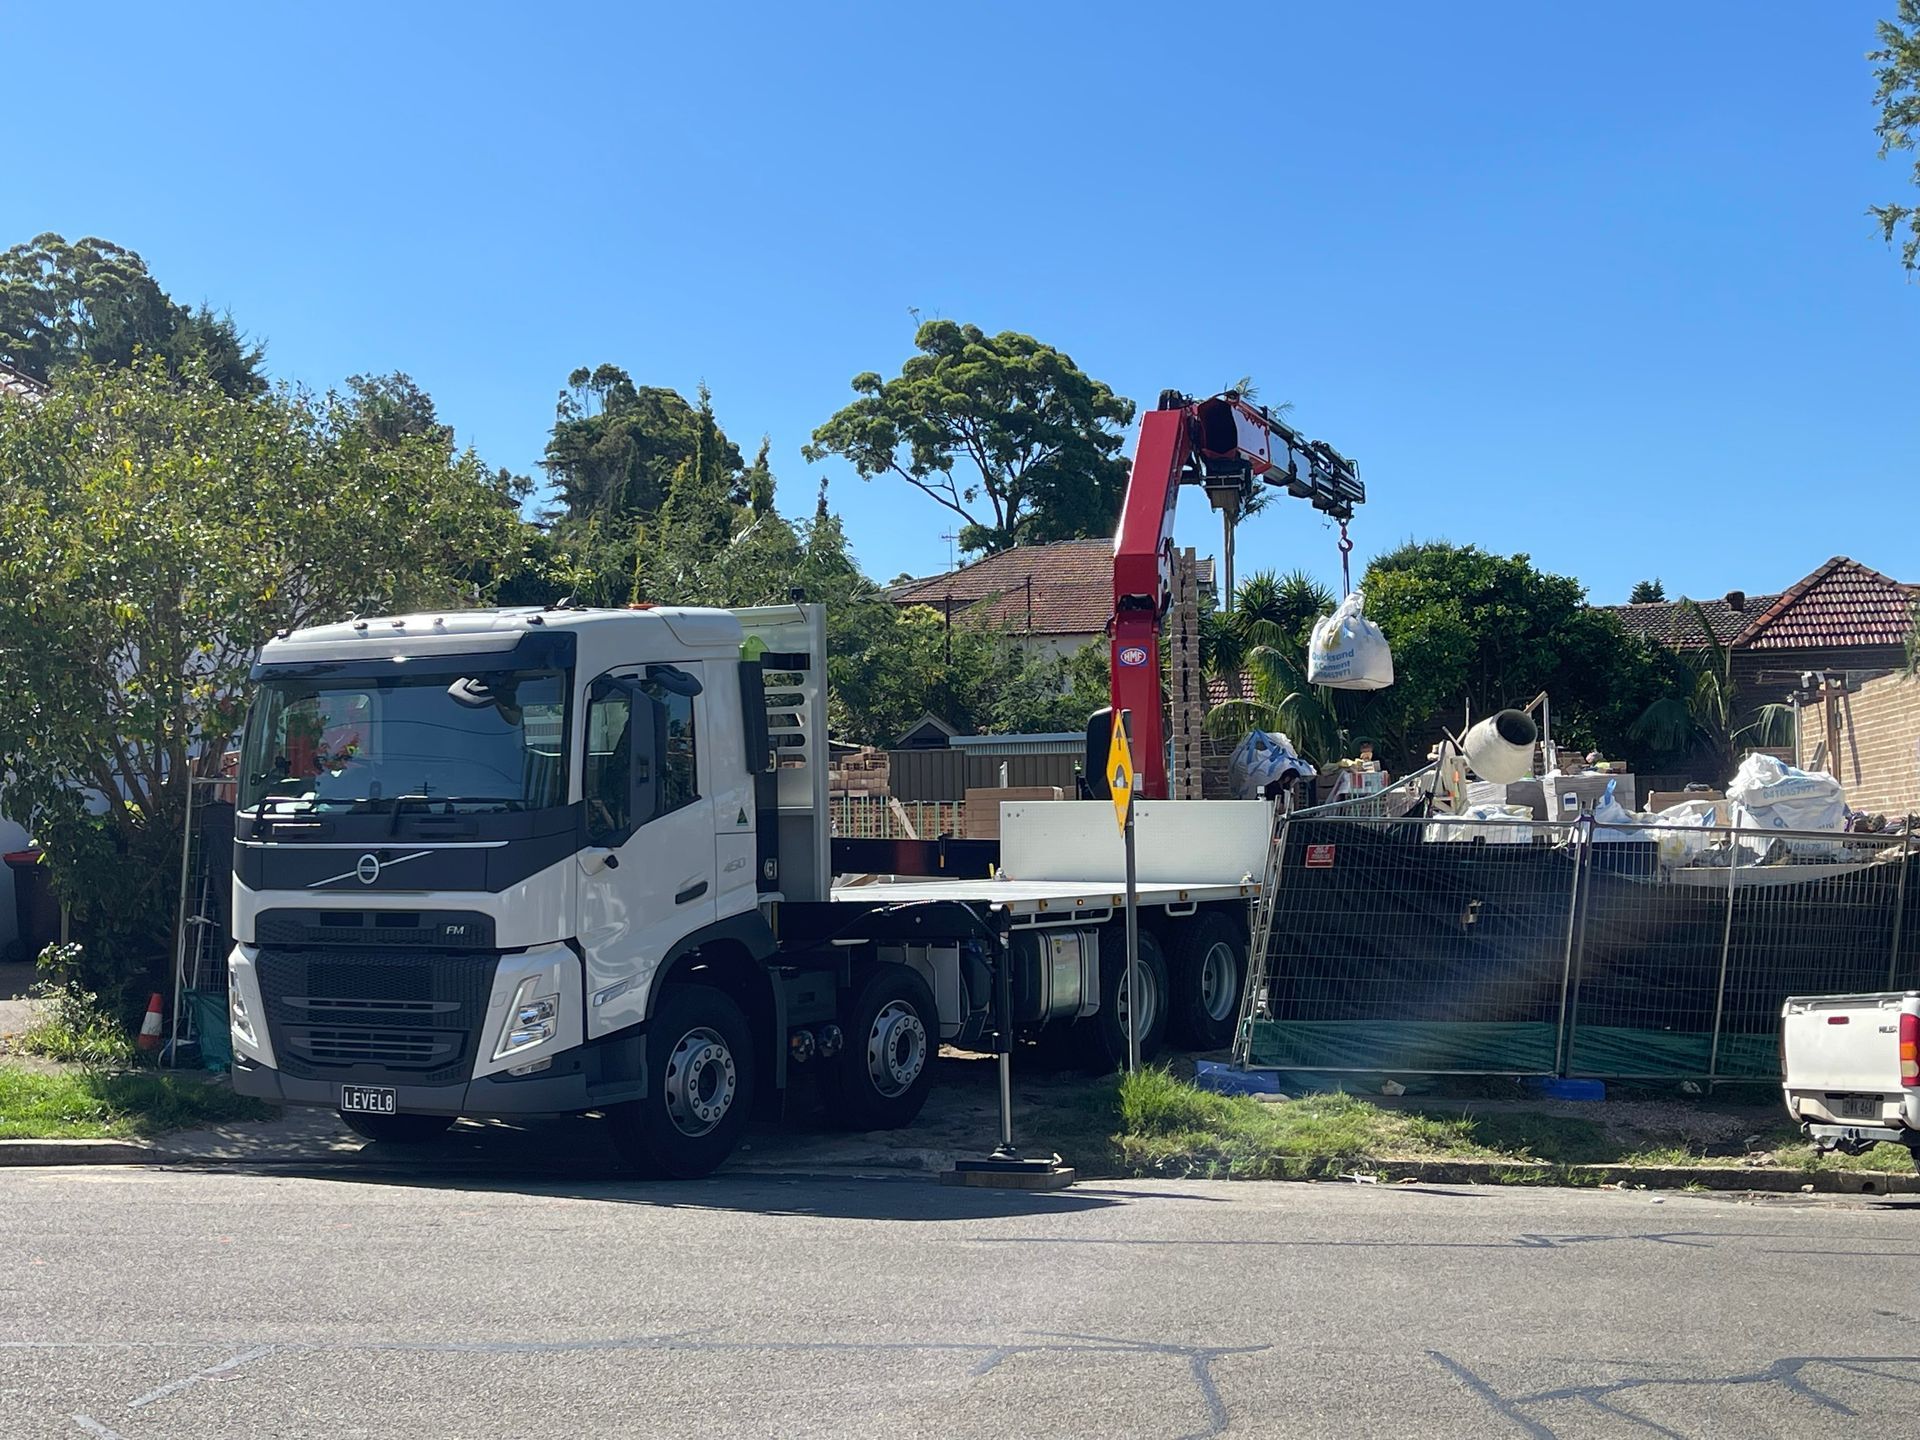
1152,1124
104,1105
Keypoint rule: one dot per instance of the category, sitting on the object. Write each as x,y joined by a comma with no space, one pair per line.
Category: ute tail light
1909,1049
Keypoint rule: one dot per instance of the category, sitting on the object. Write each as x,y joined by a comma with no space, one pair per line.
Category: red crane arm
1221,441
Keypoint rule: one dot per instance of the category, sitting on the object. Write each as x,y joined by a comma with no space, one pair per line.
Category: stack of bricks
1187,687
864,772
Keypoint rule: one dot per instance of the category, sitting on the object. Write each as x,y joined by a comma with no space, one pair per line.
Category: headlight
531,1020
238,1019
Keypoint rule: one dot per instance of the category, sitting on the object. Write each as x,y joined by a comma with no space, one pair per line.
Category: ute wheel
1208,971
397,1129
699,1087
1105,1033
880,1078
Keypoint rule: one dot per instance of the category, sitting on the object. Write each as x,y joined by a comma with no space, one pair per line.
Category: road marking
94,1427
212,1372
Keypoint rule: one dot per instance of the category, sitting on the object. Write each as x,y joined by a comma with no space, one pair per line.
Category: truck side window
608,784
679,786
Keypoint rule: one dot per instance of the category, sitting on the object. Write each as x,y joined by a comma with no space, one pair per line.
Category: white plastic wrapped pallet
1260,760
1347,651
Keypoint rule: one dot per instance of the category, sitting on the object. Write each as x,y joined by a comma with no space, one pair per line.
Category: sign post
1121,778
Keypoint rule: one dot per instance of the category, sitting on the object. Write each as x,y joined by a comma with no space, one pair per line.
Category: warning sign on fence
1320,857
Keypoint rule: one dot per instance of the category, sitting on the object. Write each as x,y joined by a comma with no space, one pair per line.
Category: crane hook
1346,549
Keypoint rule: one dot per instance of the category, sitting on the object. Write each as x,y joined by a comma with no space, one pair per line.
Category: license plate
1856,1107
369,1099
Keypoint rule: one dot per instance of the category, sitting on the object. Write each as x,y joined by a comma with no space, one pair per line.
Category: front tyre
880,1079
700,1079
397,1129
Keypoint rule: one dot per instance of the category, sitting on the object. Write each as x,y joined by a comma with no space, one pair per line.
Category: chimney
1737,600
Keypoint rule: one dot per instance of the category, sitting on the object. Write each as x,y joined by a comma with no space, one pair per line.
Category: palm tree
1264,640
1711,717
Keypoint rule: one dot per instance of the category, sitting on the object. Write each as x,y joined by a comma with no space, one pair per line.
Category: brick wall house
1878,763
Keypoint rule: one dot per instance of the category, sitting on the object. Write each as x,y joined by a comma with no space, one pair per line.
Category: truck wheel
699,1087
1208,973
1106,1031
397,1129
880,1079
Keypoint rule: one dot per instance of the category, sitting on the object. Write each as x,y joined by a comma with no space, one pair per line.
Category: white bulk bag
1260,760
1773,795
1347,651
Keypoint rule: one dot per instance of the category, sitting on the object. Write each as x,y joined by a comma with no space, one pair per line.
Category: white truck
1850,1069
539,861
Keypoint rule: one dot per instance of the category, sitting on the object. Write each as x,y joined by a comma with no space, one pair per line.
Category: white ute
1850,1069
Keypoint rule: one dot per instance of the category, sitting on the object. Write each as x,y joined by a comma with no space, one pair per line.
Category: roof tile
1673,623
1842,605
1071,588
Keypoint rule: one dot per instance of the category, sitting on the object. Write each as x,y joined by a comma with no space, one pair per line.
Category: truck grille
412,1015
395,1049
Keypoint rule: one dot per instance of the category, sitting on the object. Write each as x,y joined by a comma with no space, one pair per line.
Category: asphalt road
145,1302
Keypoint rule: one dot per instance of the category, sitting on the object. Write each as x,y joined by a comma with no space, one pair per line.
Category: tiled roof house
1059,595
1844,618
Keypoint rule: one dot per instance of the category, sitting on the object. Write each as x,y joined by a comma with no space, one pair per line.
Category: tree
1704,713
1263,640
1898,96
90,301
1473,633
1647,592
615,445
1037,439
393,407
616,455
159,529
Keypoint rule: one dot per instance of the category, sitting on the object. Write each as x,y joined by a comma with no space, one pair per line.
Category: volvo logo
369,868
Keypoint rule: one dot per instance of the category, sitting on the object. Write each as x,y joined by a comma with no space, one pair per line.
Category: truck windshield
489,741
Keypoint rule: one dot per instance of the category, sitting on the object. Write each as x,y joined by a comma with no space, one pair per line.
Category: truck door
648,853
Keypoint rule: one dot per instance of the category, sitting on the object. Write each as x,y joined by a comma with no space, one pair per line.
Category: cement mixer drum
1500,747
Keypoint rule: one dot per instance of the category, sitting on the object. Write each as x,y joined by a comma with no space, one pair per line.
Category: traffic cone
150,1024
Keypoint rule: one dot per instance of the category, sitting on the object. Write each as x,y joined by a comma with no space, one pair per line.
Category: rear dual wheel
1208,972
881,1076
1104,1036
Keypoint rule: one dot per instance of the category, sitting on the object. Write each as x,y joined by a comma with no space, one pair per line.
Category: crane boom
1224,443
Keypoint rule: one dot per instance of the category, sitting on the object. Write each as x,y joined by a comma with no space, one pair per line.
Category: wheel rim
1219,978
701,1082
1149,999
896,1048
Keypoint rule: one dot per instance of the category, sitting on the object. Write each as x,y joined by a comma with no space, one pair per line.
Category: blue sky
1594,283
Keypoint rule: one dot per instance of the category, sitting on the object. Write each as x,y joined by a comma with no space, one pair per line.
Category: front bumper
588,1077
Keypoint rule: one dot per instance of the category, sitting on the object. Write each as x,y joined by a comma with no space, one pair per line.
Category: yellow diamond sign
1120,772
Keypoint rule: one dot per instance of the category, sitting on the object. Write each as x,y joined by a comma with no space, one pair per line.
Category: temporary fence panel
1392,952
1613,951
